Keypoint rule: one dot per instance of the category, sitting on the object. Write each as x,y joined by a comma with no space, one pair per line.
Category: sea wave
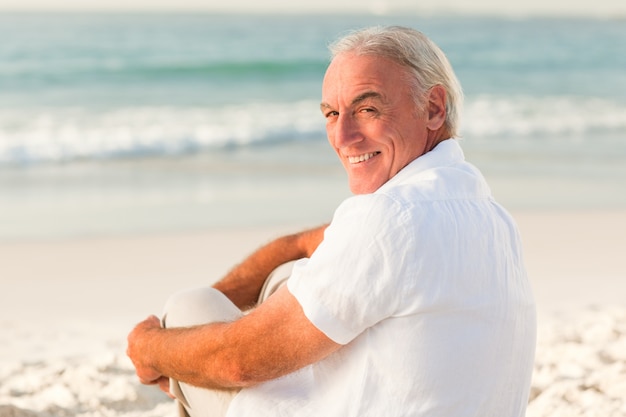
72,71
531,117
41,135
58,135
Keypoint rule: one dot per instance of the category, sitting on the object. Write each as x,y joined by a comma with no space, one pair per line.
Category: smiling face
372,120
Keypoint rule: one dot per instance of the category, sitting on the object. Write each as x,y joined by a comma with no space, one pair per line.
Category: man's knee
276,279
198,306
189,308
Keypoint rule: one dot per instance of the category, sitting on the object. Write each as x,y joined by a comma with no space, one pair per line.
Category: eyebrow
358,99
366,95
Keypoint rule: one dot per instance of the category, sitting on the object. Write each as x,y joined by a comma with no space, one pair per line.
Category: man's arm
273,340
242,285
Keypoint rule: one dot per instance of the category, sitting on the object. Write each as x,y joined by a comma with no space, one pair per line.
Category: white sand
67,307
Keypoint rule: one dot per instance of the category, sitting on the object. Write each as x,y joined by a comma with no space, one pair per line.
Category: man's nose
347,131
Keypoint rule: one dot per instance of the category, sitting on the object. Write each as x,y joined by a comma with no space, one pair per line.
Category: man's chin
362,187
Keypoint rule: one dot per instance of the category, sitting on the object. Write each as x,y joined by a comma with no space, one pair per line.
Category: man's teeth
361,158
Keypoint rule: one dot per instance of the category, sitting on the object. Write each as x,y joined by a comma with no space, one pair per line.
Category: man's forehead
358,98
353,99
351,90
356,77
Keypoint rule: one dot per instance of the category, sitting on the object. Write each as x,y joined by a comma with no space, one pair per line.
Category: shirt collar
446,153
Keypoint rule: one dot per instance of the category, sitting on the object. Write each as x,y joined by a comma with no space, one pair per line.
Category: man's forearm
191,354
273,340
243,283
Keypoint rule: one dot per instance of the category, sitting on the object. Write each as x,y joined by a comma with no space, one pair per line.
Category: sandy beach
68,304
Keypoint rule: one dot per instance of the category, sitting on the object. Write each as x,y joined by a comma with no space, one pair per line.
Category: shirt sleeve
353,280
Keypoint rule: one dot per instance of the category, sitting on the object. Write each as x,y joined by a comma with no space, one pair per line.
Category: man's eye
331,114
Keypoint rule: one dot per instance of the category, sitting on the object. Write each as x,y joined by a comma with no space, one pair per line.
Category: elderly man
416,301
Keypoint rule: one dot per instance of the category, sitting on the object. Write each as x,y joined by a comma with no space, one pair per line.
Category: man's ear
436,107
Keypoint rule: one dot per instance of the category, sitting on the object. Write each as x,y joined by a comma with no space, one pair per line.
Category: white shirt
423,281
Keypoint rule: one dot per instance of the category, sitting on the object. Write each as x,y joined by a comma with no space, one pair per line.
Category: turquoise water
144,123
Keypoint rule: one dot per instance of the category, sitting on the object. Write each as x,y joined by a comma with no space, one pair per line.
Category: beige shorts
201,306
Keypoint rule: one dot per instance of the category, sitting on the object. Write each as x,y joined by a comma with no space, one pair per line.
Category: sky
601,8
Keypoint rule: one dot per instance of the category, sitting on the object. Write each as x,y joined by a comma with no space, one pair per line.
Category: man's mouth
361,158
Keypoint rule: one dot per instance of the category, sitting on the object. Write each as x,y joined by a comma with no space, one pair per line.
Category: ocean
117,124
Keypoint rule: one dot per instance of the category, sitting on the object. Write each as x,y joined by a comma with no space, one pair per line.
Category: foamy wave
54,135
51,135
537,117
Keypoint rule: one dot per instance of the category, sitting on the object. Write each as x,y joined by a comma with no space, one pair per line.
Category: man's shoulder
458,181
370,205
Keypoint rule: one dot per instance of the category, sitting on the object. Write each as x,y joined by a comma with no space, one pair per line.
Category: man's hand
139,353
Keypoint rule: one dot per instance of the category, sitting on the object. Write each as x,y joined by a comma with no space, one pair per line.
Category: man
416,301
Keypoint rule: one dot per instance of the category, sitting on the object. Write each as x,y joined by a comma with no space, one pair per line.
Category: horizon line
259,12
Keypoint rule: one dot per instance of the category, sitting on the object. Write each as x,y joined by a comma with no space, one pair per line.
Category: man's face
372,120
